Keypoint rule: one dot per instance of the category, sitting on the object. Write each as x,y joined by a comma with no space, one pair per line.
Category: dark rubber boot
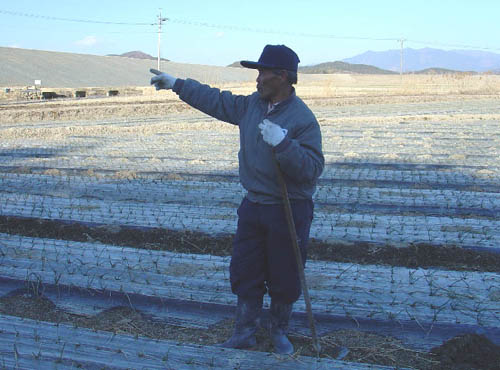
246,322
280,316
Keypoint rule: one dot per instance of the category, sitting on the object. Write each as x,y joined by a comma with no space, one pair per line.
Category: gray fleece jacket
299,155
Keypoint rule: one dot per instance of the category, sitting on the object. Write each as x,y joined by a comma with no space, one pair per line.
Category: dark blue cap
275,57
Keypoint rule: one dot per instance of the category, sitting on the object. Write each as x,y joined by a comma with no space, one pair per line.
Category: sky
220,32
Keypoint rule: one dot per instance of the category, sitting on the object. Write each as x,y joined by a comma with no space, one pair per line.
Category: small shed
49,95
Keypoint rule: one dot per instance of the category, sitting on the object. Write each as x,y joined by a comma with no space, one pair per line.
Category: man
274,125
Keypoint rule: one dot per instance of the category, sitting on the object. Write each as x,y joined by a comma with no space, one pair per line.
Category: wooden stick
298,256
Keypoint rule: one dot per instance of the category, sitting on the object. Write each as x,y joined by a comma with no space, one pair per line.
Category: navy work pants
263,259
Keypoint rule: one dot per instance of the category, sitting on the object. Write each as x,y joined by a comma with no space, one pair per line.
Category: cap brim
254,65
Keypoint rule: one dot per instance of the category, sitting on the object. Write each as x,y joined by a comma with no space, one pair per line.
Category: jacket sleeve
300,157
222,105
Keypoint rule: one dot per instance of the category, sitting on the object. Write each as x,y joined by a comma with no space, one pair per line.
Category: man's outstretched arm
222,105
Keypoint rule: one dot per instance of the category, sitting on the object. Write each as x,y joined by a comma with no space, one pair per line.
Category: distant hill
137,55
438,71
235,65
21,67
335,67
422,59
343,67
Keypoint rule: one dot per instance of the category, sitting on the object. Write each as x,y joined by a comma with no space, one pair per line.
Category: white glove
162,80
272,133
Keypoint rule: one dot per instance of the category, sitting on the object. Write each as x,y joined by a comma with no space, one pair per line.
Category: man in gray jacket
274,124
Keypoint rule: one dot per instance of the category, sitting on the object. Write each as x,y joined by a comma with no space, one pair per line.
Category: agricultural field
116,218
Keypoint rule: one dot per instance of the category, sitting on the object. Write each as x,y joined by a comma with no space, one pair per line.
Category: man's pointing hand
162,80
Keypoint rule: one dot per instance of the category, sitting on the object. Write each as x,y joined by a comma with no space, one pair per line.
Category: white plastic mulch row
196,192
221,218
29,344
362,291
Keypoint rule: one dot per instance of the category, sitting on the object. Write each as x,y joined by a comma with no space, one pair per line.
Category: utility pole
160,21
401,58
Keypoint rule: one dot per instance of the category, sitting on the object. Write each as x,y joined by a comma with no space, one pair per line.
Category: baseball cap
275,57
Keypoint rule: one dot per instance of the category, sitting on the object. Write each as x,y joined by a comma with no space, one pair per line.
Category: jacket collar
281,104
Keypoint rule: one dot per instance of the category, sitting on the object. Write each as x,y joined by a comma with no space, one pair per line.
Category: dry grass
389,85
316,90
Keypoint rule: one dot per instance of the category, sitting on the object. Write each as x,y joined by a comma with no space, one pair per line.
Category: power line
47,28
199,24
248,29
20,14
271,31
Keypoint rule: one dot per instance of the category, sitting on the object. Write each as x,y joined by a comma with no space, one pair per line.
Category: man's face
269,84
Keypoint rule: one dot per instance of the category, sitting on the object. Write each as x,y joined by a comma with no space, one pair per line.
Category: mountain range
334,67
426,58
419,61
